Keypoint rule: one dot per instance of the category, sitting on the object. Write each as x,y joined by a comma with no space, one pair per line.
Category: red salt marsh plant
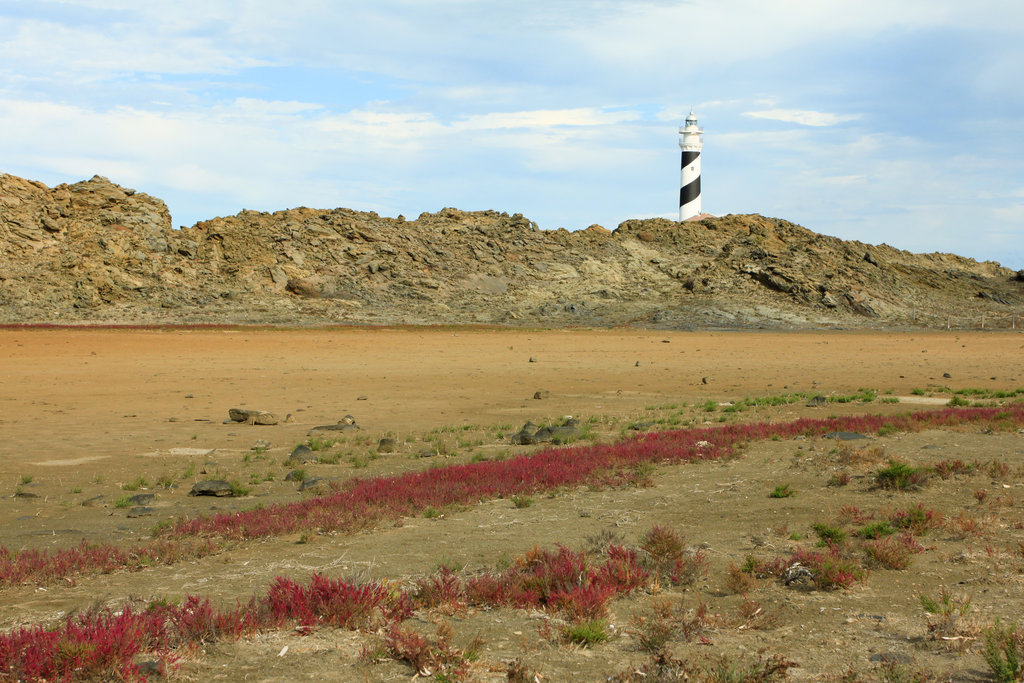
105,644
363,503
893,552
561,580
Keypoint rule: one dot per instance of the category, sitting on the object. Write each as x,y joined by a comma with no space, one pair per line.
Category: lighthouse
690,142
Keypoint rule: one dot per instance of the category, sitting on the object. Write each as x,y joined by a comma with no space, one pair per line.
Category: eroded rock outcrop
97,252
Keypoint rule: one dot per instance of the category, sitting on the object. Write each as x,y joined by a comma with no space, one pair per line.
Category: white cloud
545,118
803,117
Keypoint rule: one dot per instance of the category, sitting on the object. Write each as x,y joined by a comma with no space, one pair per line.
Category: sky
897,122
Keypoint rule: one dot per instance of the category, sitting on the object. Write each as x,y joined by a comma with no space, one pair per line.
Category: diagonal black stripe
689,192
688,158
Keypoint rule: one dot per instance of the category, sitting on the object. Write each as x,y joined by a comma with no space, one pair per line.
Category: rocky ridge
96,252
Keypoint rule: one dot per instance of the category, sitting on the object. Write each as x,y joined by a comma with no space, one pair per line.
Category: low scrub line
367,501
364,503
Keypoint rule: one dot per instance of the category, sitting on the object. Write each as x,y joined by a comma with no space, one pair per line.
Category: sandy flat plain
85,411
69,398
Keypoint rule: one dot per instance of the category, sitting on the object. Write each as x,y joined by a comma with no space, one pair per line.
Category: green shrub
829,535
1004,653
876,530
782,491
318,443
589,632
139,483
237,489
900,476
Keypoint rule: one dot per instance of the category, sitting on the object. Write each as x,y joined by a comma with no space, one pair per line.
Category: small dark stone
532,359
90,502
387,445
140,511
947,375
339,427
542,393
817,401
844,436
294,475
142,499
25,494
311,483
890,658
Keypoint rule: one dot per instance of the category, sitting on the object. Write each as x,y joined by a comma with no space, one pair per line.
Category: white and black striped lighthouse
690,142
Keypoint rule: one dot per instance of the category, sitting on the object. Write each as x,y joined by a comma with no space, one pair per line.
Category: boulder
215,487
252,417
315,485
525,436
301,454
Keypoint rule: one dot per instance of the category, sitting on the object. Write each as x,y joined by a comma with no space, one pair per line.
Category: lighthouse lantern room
691,142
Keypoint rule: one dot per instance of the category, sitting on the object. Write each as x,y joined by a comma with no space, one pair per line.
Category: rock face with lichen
97,252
